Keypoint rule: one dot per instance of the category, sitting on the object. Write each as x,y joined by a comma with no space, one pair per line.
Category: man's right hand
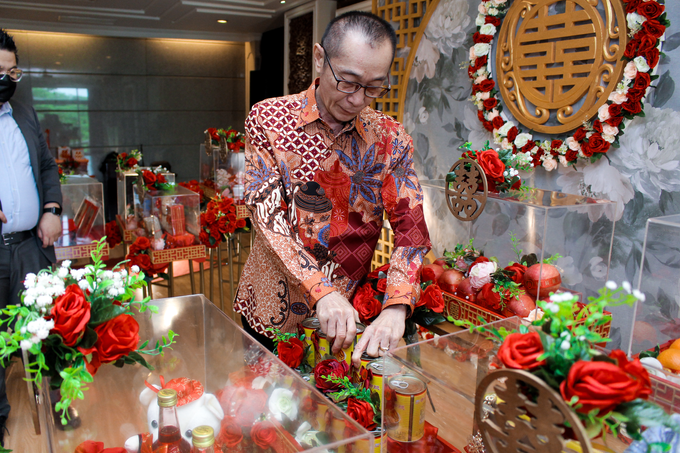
338,320
3,218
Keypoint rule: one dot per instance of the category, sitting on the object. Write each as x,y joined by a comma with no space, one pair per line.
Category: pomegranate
449,280
549,277
466,291
440,261
437,269
520,306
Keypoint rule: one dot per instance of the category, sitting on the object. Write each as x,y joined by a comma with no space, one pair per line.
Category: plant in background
607,392
194,186
219,221
128,161
291,349
139,255
113,236
71,321
235,141
153,179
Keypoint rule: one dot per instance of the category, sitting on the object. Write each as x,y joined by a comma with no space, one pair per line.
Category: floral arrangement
71,321
219,221
606,392
646,22
64,172
128,161
501,167
113,236
194,186
234,139
153,179
139,255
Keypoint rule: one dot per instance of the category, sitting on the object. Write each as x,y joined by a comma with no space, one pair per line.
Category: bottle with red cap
169,433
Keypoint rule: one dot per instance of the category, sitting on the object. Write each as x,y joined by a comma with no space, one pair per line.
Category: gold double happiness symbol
555,69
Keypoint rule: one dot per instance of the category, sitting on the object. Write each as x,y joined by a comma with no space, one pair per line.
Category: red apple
466,291
549,277
520,306
449,280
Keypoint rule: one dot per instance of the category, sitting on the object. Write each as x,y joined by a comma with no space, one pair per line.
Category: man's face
356,62
7,61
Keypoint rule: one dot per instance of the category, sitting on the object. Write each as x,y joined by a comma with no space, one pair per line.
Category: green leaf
89,338
103,311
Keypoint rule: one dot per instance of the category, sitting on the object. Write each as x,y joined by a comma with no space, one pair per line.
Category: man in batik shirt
321,168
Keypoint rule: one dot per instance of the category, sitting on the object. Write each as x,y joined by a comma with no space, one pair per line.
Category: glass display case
125,197
576,231
235,385
169,218
82,217
226,170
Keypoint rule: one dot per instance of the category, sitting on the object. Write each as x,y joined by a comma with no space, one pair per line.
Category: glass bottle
203,438
169,432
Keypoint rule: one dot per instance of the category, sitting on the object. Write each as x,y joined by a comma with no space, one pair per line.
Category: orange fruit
670,358
675,345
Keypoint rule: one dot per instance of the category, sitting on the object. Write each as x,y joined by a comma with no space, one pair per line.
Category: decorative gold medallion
557,61
462,196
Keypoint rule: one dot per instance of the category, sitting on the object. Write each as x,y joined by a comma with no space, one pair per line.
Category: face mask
7,88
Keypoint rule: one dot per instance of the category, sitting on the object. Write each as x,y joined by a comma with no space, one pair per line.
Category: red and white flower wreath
646,24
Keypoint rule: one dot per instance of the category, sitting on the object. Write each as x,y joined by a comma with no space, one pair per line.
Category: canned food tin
406,406
363,445
310,325
366,359
382,369
325,348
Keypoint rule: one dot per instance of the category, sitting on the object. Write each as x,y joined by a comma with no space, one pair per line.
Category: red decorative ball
466,291
549,277
520,306
449,280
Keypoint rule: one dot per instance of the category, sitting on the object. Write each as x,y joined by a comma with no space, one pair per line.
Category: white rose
505,144
550,164
609,129
522,139
281,403
493,11
480,20
563,161
505,128
484,95
608,138
635,21
618,97
480,274
481,8
630,71
603,112
573,144
491,115
482,49
487,29
499,2
641,64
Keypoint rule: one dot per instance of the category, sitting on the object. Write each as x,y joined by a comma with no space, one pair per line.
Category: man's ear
318,54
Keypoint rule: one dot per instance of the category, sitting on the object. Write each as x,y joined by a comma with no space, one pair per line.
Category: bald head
373,29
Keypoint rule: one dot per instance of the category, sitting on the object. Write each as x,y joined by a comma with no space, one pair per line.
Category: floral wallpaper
642,176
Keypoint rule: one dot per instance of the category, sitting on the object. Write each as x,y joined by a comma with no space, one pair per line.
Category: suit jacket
45,169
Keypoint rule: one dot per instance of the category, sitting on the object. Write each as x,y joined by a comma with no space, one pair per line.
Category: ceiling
186,19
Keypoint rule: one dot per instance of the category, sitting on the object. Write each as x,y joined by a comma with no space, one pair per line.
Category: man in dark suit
30,195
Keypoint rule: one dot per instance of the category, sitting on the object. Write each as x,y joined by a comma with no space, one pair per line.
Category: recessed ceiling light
222,21
283,1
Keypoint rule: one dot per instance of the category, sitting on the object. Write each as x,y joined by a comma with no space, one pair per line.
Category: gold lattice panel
406,18
75,252
181,253
383,250
242,211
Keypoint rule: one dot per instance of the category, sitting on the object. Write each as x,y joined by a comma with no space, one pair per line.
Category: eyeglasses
14,75
352,87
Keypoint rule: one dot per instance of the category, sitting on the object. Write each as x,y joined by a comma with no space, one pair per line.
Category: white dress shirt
18,190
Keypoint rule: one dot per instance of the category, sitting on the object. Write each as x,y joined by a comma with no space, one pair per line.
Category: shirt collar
310,112
6,108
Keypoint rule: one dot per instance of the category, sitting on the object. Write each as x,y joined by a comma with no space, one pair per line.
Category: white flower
551,307
30,280
480,20
423,115
611,285
43,301
603,112
626,286
505,128
481,49
77,274
522,139
66,263
565,345
107,275
134,269
84,285
493,12
563,161
281,403
635,21
62,272
480,274
641,64
26,345
618,96
29,300
550,164
487,29
639,295
447,29
478,134
630,71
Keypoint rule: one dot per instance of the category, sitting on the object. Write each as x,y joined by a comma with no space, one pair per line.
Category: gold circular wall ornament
466,194
555,69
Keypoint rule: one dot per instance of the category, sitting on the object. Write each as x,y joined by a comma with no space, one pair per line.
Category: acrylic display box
82,217
226,170
242,384
125,199
544,223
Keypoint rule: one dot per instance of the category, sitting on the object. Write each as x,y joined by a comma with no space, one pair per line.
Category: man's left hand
383,334
49,229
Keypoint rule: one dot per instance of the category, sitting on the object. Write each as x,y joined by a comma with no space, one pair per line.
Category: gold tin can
382,371
406,405
363,445
325,347
366,359
310,325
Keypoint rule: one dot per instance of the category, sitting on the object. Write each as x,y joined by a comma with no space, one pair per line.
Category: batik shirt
316,202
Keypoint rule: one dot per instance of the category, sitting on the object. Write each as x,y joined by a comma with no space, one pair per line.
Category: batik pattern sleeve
403,201
265,195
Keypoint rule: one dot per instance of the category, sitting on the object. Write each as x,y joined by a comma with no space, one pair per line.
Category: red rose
580,134
160,179
361,412
213,133
432,299
653,28
615,121
142,243
529,146
635,94
366,304
376,273
117,338
487,85
71,313
652,57
309,405
131,162
521,350
631,48
646,43
632,5
144,262
122,156
597,126
642,81
291,352
571,155
488,298
230,434
597,144
633,106
497,122
480,38
586,150
488,125
603,385
263,434
480,62
555,144
517,270
149,177
651,10
491,164
512,134
381,286
329,367
614,109
495,21
490,103
427,275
